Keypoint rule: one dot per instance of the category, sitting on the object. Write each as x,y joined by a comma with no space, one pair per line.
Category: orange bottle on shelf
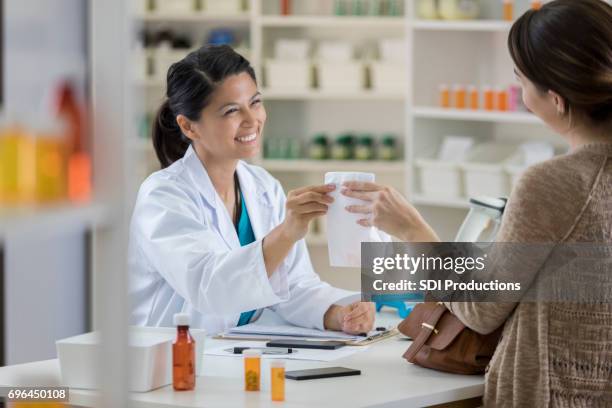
183,355
460,97
17,165
489,98
444,96
536,4
277,378
252,369
51,159
474,98
502,99
508,6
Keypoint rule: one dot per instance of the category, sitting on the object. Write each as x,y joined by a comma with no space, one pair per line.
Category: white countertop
386,380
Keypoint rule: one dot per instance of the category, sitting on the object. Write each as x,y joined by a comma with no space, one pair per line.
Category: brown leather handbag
441,342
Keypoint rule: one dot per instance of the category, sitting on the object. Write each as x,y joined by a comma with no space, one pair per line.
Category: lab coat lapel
222,220
256,200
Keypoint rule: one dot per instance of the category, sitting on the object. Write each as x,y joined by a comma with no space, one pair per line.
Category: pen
264,350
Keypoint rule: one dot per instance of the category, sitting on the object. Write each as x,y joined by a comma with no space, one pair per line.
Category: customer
556,355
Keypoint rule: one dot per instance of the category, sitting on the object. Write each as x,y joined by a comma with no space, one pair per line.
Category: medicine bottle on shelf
444,96
474,96
460,97
508,6
183,355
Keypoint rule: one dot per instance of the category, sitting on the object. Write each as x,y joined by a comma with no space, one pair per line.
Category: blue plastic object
221,36
404,303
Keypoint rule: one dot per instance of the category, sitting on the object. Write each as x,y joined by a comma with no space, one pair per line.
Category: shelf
473,25
461,203
50,218
365,95
477,116
319,166
195,17
333,21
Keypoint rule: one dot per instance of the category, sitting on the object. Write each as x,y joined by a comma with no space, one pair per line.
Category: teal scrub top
246,236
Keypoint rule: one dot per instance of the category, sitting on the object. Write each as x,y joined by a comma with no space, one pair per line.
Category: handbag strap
427,329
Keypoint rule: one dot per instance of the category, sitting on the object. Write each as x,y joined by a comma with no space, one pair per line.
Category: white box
440,179
388,76
150,351
335,51
342,77
174,6
484,170
292,49
288,75
223,6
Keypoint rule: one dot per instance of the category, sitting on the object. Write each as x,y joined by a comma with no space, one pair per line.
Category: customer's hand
353,319
303,205
386,209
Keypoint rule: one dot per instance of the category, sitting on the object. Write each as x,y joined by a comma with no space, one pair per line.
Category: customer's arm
388,210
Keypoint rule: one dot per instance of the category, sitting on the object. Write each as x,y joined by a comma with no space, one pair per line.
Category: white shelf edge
50,218
317,166
471,25
479,116
195,17
273,94
420,199
333,21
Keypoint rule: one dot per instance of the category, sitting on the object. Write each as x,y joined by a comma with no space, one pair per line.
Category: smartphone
314,373
306,344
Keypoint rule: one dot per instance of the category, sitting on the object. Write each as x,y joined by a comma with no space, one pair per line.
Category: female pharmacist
213,236
550,355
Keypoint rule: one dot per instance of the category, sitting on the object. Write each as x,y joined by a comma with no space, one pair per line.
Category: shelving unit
467,52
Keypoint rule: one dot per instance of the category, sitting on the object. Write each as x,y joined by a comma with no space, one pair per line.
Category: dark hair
566,47
190,83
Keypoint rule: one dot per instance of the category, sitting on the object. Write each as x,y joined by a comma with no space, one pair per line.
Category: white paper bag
344,235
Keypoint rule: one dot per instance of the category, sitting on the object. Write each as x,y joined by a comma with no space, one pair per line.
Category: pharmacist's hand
353,319
386,209
303,205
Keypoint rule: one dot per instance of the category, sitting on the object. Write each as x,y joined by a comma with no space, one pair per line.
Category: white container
439,178
223,6
174,6
335,51
341,77
289,75
484,171
150,351
163,58
388,76
292,49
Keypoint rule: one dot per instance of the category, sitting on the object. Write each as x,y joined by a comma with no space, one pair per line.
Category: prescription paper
344,235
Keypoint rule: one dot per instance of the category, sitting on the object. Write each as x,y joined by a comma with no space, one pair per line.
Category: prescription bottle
508,6
252,369
183,355
502,99
489,98
474,96
444,96
277,378
460,97
51,156
17,166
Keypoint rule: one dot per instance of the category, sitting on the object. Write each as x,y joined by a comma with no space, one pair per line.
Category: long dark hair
190,83
566,47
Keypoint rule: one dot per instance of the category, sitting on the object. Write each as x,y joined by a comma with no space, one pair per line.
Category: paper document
292,331
344,235
298,354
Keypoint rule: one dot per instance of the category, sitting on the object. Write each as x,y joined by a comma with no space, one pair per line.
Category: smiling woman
213,236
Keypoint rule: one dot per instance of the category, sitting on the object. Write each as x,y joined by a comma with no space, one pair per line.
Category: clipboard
361,342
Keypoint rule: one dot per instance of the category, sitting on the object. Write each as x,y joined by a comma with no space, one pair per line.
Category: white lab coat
185,256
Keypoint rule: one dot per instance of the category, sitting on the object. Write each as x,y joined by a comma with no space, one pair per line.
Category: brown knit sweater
553,354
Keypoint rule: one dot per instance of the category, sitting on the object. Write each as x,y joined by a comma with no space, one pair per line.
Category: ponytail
169,142
190,83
